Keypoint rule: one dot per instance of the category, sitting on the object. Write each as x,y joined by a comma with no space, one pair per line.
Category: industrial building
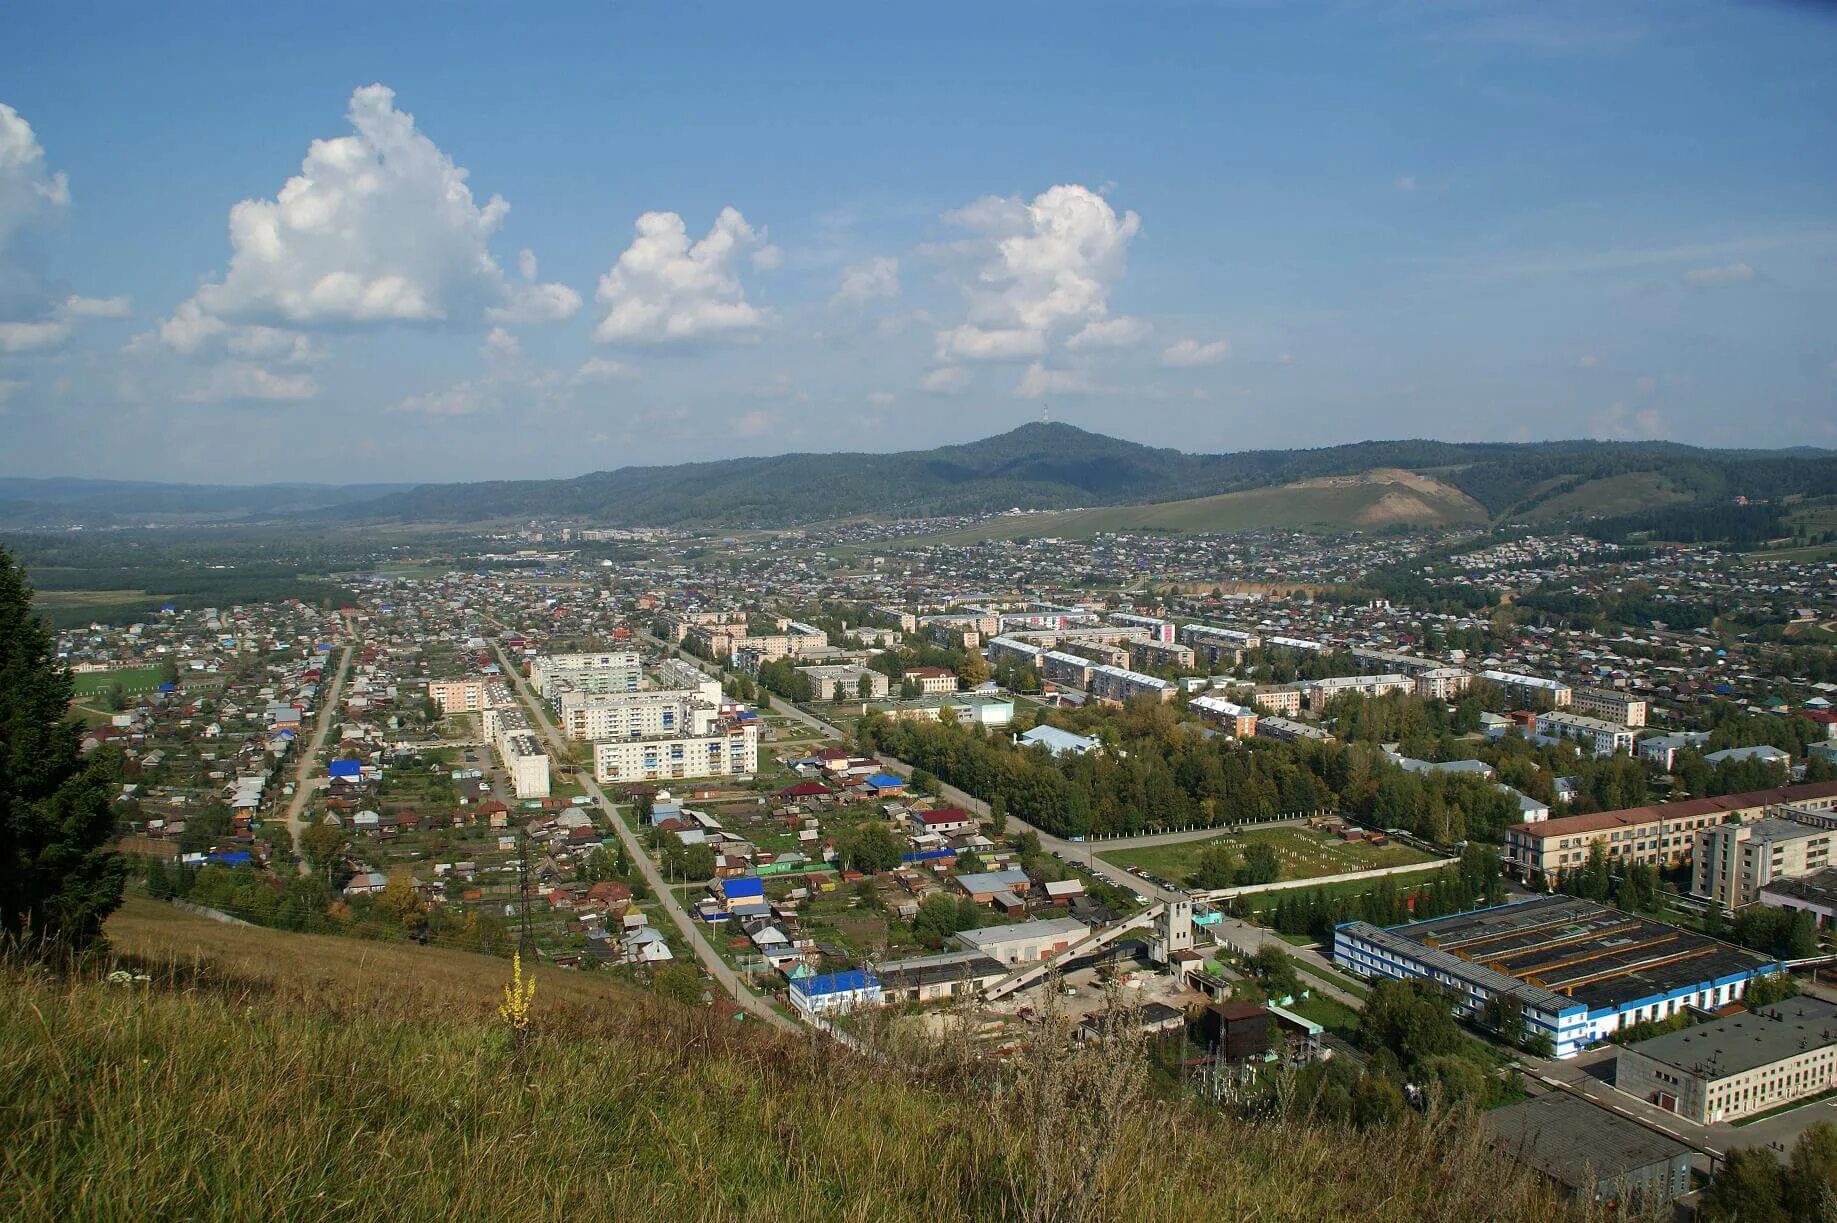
1588,1152
1024,942
1814,894
947,974
1736,1066
1579,970
1731,863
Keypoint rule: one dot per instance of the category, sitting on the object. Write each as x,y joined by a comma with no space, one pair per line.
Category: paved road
660,888
1239,935
303,787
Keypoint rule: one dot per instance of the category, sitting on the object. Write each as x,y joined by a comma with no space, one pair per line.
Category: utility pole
525,945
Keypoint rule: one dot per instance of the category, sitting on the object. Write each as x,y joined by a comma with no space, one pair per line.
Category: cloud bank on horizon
383,308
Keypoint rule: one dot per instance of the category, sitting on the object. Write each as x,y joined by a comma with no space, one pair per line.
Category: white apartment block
1731,863
1601,738
1610,706
1216,645
1371,658
1443,683
1524,689
457,695
630,715
1317,692
519,750
619,671
725,749
843,682
1122,686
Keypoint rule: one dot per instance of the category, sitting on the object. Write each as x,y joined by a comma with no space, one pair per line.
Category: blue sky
754,229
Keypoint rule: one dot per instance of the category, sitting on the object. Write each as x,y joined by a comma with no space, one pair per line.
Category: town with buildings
1060,613
832,785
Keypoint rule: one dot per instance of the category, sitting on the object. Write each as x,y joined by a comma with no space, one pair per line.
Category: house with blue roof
836,991
883,784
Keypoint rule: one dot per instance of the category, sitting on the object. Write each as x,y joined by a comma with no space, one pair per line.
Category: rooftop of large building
1818,889
1558,951
1739,1043
1574,1142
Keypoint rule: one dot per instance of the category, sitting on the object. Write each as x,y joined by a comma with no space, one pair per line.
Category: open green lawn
1331,1014
1305,854
133,679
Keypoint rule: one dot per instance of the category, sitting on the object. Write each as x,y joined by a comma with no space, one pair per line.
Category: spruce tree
59,874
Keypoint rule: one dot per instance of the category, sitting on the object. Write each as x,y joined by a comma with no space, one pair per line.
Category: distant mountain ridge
1058,466
1039,466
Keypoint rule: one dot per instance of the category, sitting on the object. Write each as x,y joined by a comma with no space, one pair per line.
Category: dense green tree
59,874
1216,867
869,846
1811,1173
1750,1189
1261,865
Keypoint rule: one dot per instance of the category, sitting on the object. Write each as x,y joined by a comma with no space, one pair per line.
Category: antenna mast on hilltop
1045,416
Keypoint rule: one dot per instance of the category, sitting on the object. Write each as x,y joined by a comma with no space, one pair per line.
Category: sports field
1304,853
134,680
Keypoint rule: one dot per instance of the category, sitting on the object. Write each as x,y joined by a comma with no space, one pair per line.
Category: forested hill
1036,467
1055,466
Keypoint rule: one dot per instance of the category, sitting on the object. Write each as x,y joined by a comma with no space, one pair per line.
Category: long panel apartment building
1600,737
712,747
1620,708
614,671
1217,645
1122,686
1533,690
1661,834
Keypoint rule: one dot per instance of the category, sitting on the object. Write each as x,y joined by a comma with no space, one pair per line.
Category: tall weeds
313,1079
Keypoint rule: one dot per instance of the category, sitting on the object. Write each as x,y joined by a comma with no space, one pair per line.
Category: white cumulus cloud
240,380
1191,352
666,289
34,337
1039,380
95,307
1046,266
946,380
28,190
33,318
1118,332
378,226
870,281
1724,274
971,343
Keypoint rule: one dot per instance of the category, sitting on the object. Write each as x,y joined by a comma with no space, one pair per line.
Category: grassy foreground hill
267,1075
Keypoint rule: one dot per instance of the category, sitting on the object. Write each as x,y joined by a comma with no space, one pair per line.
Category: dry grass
266,1075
